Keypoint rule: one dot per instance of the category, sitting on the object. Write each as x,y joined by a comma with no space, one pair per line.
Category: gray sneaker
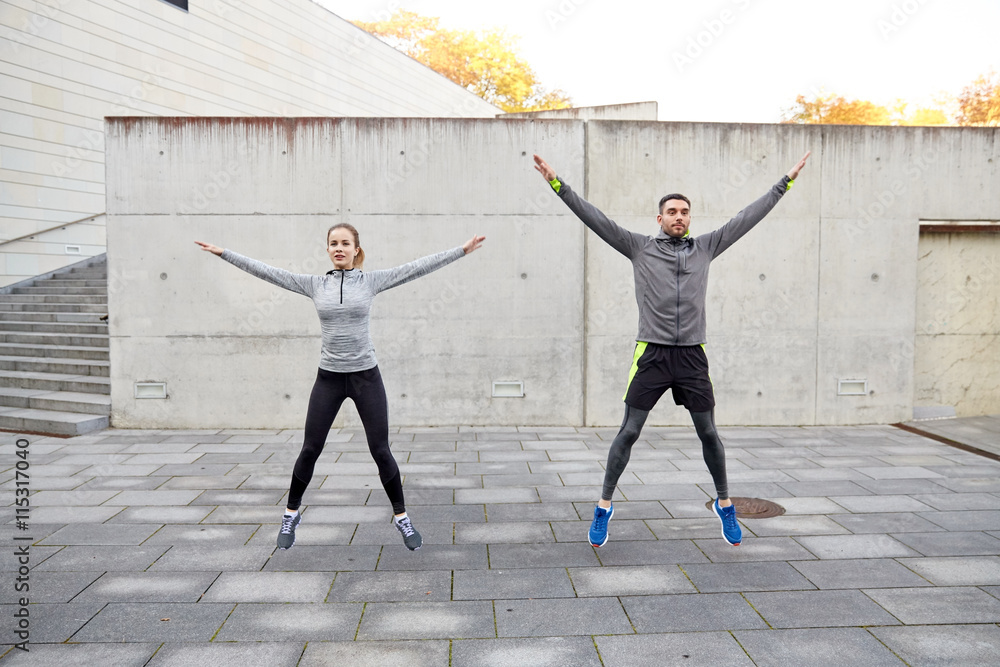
411,538
286,536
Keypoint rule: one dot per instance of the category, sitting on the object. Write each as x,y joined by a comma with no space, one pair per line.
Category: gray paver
692,649
540,652
543,618
76,655
819,609
200,534
213,558
155,622
902,522
944,645
82,558
430,586
148,587
427,620
658,552
725,577
102,534
375,653
291,622
856,546
513,583
961,571
48,587
687,613
441,557
864,573
835,647
323,559
273,654
270,587
51,623
633,580
503,533
915,606
951,543
508,556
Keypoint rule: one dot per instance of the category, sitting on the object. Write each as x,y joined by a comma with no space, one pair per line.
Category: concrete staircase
54,362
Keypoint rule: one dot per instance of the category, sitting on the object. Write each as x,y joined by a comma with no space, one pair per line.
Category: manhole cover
754,508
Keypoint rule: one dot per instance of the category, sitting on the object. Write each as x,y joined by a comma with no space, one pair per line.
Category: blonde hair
359,261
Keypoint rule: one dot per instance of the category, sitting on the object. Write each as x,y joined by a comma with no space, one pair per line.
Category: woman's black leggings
365,388
621,449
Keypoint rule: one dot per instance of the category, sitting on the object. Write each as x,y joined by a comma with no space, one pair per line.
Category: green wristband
555,184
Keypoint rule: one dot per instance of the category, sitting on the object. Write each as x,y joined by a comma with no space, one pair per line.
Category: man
671,277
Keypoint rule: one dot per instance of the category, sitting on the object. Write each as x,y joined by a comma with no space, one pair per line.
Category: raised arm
725,236
624,241
384,279
300,283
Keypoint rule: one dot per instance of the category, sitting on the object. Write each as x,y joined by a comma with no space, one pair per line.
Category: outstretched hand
214,249
794,171
473,244
544,169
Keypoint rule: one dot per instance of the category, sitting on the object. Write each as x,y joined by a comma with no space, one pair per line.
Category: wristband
555,184
788,186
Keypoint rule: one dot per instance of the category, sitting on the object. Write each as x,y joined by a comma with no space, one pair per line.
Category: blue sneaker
731,531
599,526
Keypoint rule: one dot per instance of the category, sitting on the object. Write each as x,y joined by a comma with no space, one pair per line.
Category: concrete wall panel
289,166
471,167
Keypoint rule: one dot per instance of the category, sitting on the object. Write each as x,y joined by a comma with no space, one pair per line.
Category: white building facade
67,64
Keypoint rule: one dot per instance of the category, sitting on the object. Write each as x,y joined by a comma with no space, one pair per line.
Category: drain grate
754,508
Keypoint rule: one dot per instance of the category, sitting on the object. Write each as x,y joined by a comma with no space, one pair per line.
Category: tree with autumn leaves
977,105
484,63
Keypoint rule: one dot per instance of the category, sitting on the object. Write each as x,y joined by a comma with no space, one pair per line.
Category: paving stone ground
158,548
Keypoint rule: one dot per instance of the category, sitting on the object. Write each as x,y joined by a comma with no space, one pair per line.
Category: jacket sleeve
731,232
624,241
300,283
384,279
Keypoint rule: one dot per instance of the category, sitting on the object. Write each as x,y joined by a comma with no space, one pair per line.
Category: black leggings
621,449
365,388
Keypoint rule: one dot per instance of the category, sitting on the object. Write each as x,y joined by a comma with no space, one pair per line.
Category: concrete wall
632,111
958,323
825,289
66,64
235,350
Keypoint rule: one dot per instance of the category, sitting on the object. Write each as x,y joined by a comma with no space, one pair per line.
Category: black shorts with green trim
683,369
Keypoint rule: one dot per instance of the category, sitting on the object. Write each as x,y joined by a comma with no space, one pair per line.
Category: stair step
53,351
50,421
60,401
27,316
97,327
60,366
55,298
43,338
73,282
61,289
88,384
101,308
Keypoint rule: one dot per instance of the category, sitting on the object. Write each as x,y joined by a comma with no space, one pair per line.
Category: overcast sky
732,60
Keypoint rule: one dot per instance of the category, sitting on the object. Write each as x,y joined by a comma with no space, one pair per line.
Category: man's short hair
667,198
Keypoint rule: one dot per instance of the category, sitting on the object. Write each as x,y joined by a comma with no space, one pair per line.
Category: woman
347,367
